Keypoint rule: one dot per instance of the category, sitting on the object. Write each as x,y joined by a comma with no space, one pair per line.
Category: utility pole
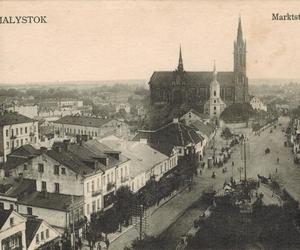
141,221
245,160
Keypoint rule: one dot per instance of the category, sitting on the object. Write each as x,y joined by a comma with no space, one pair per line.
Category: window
25,130
7,144
121,173
6,132
11,221
56,169
112,177
98,204
56,185
17,131
47,233
93,187
63,171
88,187
22,142
37,239
44,186
88,208
215,93
215,108
11,206
29,210
1,205
94,206
42,235
41,167
98,183
21,131
17,143
215,101
161,169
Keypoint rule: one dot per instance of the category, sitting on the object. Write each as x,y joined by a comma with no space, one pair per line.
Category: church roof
204,78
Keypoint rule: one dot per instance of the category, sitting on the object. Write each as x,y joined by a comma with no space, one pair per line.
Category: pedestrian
99,246
107,243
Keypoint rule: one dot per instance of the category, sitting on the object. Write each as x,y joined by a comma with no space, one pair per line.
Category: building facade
12,230
16,130
187,87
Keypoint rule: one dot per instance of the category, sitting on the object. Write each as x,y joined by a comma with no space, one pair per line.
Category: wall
70,183
43,227
21,137
53,217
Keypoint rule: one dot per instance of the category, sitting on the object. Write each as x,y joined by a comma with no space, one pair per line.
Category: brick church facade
188,87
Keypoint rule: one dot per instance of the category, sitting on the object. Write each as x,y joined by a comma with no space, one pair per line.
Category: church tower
215,105
180,61
240,77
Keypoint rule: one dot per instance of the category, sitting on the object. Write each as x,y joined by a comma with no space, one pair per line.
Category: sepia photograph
149,125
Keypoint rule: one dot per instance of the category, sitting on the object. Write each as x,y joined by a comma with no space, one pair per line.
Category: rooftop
4,214
174,133
55,201
10,118
32,225
86,121
143,157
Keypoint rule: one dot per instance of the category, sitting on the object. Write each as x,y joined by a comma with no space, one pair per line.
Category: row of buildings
79,174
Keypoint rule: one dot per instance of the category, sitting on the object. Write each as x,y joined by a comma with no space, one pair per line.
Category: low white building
12,230
146,161
40,234
257,104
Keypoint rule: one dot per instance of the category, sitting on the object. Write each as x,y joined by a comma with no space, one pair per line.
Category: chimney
175,120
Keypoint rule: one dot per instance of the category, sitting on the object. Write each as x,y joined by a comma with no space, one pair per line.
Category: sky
111,40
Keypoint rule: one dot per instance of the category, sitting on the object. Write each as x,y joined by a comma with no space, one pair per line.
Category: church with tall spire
194,87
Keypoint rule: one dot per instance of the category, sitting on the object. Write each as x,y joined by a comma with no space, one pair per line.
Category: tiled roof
142,157
10,118
205,129
203,78
17,187
4,214
70,160
32,225
174,133
20,156
85,121
164,148
61,202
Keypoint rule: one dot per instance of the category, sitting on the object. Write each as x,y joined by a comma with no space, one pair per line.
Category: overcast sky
98,40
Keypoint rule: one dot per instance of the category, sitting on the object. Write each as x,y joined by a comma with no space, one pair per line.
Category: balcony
13,137
124,179
96,192
110,186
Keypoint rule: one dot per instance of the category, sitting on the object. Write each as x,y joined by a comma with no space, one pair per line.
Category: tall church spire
215,72
180,62
240,31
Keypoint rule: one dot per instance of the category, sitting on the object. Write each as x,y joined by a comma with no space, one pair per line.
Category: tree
125,200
